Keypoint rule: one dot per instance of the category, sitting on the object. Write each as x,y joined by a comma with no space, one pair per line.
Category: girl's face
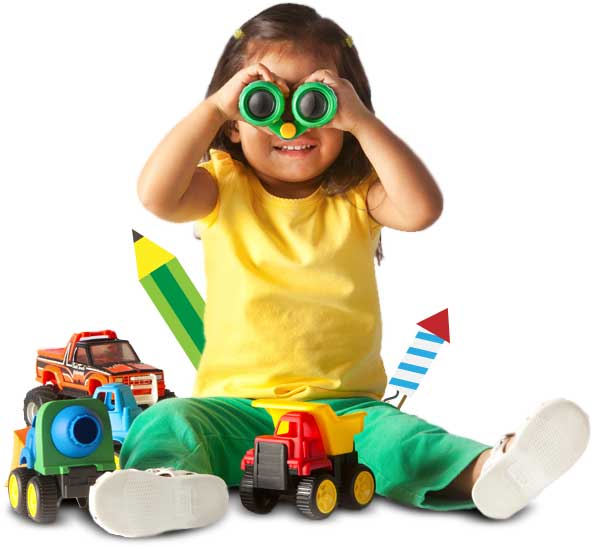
290,174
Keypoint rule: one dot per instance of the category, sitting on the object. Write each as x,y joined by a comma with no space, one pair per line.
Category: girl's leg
421,464
461,487
203,435
414,460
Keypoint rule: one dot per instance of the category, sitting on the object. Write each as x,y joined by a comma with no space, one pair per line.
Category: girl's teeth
296,148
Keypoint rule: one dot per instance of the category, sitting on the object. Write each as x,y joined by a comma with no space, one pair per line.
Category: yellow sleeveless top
292,307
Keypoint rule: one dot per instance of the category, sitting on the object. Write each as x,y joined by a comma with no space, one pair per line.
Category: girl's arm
407,197
170,184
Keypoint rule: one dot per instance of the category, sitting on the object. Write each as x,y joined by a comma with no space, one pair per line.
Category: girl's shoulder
225,171
359,192
358,197
363,186
221,165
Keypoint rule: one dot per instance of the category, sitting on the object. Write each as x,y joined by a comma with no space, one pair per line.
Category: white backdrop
496,99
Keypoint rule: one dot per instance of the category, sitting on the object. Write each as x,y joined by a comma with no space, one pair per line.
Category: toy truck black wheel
42,499
35,398
359,488
317,496
17,489
253,499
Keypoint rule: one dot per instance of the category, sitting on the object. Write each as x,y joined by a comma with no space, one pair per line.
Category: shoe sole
134,503
545,447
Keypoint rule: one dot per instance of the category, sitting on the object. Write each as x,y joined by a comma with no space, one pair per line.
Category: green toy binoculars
313,105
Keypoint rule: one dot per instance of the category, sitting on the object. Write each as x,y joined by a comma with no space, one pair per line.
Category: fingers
260,71
256,72
323,75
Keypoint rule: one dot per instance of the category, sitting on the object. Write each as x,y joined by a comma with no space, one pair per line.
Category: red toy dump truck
92,359
310,458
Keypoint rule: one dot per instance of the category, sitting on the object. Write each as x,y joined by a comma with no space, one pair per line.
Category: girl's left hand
351,110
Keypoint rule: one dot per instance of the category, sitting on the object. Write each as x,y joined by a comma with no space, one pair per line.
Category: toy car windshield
114,352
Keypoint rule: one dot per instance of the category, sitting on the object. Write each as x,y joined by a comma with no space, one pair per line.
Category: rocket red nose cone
438,324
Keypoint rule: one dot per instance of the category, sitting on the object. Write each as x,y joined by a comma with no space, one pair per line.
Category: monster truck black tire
35,398
168,394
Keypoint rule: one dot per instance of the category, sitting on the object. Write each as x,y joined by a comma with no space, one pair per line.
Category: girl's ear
233,132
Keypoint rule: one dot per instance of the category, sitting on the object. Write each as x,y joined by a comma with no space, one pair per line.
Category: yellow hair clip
348,41
238,34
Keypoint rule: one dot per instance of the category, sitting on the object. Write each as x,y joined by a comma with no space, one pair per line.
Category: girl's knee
163,434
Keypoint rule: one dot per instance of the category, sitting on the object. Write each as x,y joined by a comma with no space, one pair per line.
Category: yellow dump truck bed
337,432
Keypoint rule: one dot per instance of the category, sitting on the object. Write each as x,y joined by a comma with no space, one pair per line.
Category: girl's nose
288,128
287,115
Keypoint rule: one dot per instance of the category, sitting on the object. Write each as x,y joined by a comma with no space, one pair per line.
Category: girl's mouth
289,150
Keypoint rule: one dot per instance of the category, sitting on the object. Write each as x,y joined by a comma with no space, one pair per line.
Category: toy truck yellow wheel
327,496
364,487
317,496
17,489
359,488
42,499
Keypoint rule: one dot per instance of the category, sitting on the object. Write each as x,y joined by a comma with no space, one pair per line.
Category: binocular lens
313,105
261,104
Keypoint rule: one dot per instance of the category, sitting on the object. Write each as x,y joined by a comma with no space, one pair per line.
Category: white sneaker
139,503
544,448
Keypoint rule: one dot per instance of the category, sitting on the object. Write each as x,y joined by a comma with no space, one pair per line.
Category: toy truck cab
310,457
121,407
296,448
97,358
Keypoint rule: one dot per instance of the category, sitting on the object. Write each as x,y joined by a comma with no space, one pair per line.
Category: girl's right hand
226,99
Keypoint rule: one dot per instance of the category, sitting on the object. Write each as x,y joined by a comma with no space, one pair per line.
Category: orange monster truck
92,359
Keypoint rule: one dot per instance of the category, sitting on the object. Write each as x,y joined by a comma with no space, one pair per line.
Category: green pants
409,457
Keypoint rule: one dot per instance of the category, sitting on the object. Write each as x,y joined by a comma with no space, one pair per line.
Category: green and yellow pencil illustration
173,294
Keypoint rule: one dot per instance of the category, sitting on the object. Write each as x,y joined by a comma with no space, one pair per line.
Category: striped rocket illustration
418,358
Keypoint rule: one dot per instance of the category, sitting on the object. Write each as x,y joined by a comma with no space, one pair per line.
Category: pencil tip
136,235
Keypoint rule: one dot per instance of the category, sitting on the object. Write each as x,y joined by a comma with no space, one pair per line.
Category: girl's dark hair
303,29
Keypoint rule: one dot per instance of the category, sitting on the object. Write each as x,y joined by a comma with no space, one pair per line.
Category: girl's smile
297,148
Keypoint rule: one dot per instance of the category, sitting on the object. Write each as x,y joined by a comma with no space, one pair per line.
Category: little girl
289,230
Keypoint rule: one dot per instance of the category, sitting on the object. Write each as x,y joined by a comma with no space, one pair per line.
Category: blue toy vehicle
121,407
